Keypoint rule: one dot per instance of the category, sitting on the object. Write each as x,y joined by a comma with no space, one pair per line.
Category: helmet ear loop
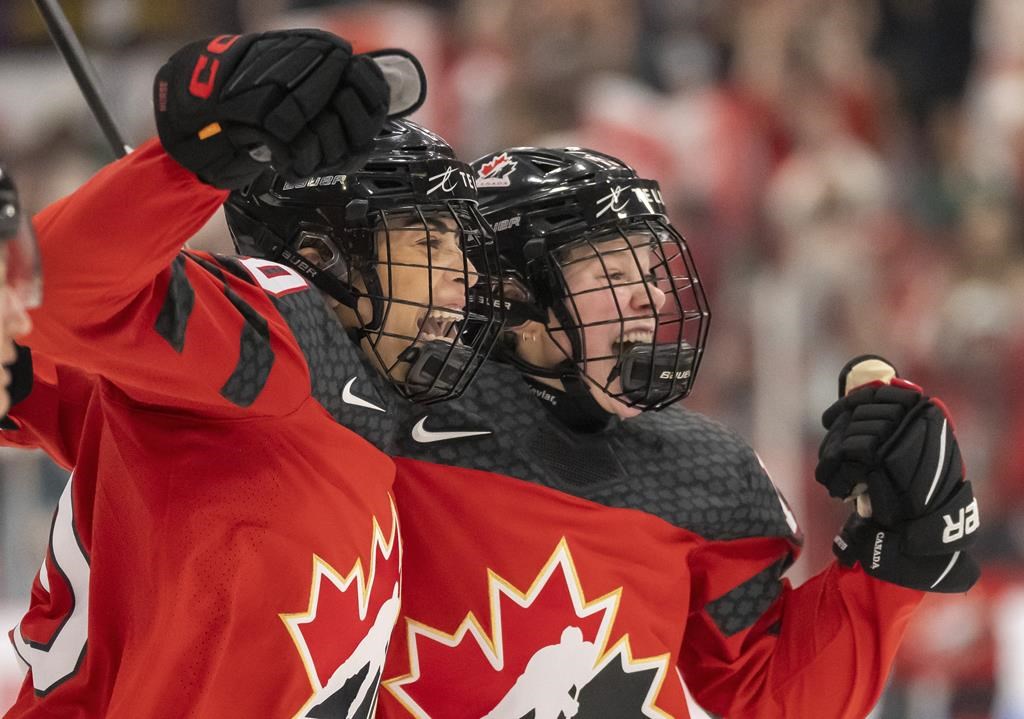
335,277
375,293
361,232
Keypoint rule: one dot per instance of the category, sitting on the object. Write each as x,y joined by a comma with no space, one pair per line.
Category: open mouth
631,338
440,324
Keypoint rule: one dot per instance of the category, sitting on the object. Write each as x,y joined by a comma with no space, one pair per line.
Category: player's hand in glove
896,441
899,444
296,100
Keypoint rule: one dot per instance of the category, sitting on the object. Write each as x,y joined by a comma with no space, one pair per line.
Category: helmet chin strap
321,279
573,404
375,292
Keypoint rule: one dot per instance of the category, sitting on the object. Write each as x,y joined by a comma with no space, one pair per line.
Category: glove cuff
882,554
950,528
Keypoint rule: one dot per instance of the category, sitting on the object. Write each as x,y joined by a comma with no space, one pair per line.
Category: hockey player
20,290
572,554
225,546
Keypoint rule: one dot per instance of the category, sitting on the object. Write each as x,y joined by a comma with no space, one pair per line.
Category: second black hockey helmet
553,208
410,181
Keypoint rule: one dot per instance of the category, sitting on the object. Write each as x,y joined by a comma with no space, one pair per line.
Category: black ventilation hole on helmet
386,169
387,184
558,219
539,207
546,165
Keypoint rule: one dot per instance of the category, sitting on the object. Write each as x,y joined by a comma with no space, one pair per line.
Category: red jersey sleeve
169,328
755,647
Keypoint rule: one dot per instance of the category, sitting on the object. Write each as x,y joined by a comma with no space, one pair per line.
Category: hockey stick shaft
70,48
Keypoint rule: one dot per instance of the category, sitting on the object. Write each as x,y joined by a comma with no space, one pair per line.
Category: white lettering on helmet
448,181
320,181
612,202
507,224
648,196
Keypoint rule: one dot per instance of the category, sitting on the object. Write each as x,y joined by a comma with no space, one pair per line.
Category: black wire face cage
630,311
416,265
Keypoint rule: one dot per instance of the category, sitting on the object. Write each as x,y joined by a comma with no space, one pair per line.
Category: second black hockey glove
296,100
887,438
897,442
886,554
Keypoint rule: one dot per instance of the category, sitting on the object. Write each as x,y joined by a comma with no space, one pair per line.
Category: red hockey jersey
224,547
550,573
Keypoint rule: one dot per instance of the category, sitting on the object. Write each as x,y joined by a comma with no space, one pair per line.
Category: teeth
445,315
438,324
637,337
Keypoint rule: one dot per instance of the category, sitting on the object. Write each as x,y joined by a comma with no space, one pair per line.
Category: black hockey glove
888,555
296,100
21,382
897,442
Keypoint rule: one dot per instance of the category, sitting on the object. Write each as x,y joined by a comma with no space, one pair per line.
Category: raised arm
103,245
822,650
825,649
121,300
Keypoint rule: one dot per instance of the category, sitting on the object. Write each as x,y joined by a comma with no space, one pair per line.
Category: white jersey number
59,656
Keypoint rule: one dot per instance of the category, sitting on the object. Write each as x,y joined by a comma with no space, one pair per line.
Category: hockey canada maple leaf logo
496,171
548,654
343,659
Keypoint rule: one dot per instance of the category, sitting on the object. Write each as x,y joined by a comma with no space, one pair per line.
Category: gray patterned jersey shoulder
341,379
675,464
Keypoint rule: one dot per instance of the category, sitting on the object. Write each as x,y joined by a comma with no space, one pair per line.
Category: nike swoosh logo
424,436
348,398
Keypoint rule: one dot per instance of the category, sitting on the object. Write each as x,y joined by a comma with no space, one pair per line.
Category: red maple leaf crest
551,617
496,163
324,634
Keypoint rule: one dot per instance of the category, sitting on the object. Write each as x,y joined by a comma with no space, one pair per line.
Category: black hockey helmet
18,241
553,208
410,181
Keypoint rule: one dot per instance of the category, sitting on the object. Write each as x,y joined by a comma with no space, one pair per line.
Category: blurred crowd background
849,175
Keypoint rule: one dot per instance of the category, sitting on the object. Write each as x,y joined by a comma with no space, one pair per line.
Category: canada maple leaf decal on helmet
344,659
496,172
548,653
